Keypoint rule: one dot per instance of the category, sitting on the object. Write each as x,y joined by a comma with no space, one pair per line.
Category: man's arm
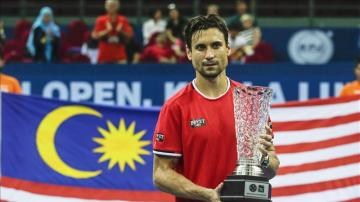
168,180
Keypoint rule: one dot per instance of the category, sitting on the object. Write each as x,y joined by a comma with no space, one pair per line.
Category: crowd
112,40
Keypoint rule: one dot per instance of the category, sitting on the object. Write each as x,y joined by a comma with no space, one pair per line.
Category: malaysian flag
318,145
317,142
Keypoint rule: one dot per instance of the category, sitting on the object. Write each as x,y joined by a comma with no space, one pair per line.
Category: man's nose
209,54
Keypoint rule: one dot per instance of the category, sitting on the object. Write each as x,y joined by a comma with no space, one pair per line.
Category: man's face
357,72
174,14
112,6
241,8
209,52
247,24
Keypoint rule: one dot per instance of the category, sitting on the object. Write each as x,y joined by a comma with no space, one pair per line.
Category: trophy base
245,188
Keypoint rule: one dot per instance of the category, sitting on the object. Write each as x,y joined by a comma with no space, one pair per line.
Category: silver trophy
248,181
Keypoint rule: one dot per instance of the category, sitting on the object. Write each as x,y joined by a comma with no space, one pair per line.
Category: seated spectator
236,43
8,83
175,25
353,88
44,37
112,30
90,47
212,9
159,52
245,42
241,9
153,25
133,51
250,34
2,34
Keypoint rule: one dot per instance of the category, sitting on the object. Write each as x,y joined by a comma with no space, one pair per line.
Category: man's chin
210,74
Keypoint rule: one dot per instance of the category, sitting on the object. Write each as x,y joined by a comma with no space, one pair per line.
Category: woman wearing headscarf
44,37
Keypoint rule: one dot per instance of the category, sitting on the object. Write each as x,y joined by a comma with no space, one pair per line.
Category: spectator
212,9
112,30
44,38
353,88
8,83
90,47
175,25
236,43
2,34
245,41
160,51
250,34
241,9
153,25
133,51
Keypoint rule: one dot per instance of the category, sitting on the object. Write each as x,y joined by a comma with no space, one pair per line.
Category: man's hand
108,27
119,27
215,194
268,150
266,140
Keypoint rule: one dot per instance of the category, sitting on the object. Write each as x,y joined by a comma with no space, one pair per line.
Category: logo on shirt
194,123
160,137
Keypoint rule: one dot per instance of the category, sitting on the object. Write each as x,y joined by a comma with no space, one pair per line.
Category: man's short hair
204,22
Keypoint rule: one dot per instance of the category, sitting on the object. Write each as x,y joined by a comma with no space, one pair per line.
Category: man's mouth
210,63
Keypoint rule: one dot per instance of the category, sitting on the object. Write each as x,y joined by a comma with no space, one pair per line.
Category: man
241,9
194,141
113,30
353,88
212,9
8,83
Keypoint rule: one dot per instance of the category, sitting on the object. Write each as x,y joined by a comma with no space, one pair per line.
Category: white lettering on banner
104,92
338,86
303,91
130,94
324,90
247,83
80,91
56,86
133,95
278,95
171,89
26,87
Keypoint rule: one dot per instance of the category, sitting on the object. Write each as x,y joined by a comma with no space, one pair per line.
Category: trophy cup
248,181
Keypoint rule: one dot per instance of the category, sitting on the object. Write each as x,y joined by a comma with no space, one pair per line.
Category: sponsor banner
313,46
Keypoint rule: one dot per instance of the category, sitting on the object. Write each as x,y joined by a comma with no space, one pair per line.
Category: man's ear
188,53
229,50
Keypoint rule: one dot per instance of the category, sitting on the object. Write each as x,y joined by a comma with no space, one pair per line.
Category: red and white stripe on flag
318,144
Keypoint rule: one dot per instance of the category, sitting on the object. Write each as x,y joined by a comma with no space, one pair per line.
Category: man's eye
216,45
200,47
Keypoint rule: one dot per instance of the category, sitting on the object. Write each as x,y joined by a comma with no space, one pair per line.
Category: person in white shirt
155,24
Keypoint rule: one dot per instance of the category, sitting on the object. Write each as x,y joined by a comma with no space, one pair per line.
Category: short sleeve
167,135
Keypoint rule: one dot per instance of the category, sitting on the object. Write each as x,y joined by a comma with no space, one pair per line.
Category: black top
40,44
177,29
